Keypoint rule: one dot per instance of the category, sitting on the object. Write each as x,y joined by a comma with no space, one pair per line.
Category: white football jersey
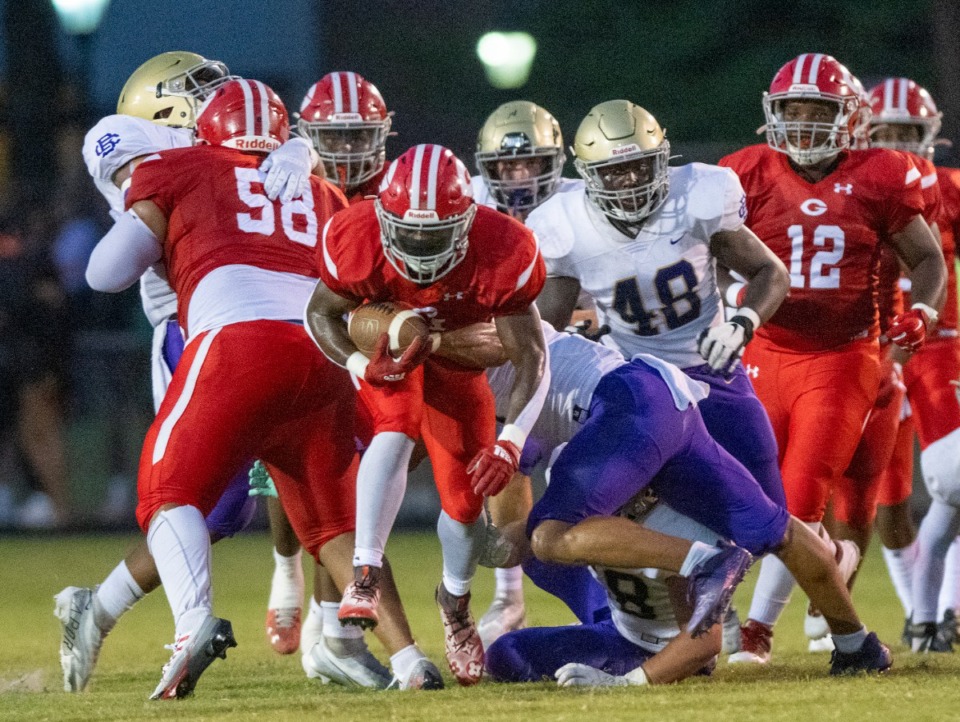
639,599
657,291
108,146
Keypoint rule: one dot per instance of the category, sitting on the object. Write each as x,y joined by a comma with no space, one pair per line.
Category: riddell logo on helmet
804,88
415,215
626,149
253,143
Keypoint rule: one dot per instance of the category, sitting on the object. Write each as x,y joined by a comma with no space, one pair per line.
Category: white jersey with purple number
658,291
108,146
639,599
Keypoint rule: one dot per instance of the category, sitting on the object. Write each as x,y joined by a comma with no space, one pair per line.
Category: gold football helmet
520,132
622,154
169,88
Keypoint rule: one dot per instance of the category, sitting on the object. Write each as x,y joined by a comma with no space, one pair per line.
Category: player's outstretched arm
558,299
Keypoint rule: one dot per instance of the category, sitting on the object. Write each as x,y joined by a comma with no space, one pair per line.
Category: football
398,320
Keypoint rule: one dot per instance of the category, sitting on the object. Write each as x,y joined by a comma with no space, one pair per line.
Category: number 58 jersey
829,234
656,291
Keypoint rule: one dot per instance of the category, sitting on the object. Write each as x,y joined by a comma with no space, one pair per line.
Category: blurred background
74,365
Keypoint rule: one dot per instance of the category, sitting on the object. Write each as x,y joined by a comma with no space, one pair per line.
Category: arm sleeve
123,255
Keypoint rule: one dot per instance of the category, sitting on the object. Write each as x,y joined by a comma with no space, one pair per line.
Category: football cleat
947,627
731,632
815,627
283,629
506,614
462,643
82,638
361,598
926,637
424,675
711,585
346,662
873,656
756,642
192,654
311,631
824,644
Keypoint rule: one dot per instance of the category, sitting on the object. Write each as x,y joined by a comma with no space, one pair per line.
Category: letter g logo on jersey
813,207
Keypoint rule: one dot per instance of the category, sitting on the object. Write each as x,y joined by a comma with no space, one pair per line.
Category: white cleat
815,626
346,662
506,614
819,646
82,638
192,654
424,675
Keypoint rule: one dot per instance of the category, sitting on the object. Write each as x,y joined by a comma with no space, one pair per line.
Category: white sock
699,553
118,593
331,624
950,589
286,589
460,545
772,593
180,545
381,484
311,631
850,643
402,662
509,581
900,563
937,531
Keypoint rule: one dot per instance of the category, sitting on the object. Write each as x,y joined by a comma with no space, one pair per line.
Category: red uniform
450,406
249,382
367,190
815,364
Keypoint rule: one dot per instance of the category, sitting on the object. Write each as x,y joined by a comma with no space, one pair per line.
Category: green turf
255,684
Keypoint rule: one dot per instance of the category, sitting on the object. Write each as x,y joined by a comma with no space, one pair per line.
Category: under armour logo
106,144
843,188
752,371
458,296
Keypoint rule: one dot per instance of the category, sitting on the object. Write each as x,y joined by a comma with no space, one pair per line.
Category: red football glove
493,468
908,329
384,369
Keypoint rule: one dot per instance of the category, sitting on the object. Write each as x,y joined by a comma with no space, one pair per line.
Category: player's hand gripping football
909,329
722,346
385,369
288,170
493,467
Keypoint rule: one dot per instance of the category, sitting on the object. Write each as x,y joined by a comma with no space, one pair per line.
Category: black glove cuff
747,325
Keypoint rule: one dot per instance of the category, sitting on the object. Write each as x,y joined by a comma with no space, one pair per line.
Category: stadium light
507,58
80,17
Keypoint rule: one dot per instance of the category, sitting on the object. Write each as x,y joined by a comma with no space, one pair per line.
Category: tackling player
825,212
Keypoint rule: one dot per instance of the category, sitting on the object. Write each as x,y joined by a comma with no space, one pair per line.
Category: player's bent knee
505,662
548,540
227,523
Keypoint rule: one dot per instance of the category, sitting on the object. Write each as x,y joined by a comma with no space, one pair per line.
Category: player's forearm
526,348
473,346
123,255
683,657
766,289
325,325
928,281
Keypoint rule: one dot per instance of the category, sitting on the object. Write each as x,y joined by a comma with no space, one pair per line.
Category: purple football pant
574,586
635,437
236,508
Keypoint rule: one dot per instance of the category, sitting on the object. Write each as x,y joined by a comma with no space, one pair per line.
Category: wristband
931,314
733,291
357,364
513,434
637,676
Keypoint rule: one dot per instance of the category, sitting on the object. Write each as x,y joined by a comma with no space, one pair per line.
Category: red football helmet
809,137
901,102
246,115
345,118
425,207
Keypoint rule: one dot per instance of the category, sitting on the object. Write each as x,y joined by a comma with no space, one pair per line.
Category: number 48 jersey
829,234
656,291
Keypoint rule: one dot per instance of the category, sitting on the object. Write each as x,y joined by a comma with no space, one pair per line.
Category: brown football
396,319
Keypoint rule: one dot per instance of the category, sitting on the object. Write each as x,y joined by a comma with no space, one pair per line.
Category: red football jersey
368,189
949,224
829,235
219,215
501,275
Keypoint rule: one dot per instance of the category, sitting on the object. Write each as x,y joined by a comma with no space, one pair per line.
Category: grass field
256,684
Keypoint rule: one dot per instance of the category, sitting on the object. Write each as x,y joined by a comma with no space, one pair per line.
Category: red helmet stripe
337,93
247,106
432,177
352,87
415,177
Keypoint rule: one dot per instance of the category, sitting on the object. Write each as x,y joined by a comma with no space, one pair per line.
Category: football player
519,158
424,241
241,275
156,111
825,212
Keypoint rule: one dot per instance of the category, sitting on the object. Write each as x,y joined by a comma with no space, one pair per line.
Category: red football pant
258,389
818,404
454,412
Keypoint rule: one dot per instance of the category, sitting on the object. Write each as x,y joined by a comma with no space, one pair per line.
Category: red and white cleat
283,629
361,598
462,643
756,642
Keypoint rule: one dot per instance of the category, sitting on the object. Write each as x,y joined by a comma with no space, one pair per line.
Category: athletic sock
950,589
772,593
460,545
850,643
937,531
403,662
509,582
118,593
900,563
286,588
699,553
332,629
381,484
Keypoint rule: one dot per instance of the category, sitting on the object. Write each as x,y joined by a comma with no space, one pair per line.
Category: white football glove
288,170
722,346
583,675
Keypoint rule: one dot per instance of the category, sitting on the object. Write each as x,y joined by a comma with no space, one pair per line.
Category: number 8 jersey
829,234
657,291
